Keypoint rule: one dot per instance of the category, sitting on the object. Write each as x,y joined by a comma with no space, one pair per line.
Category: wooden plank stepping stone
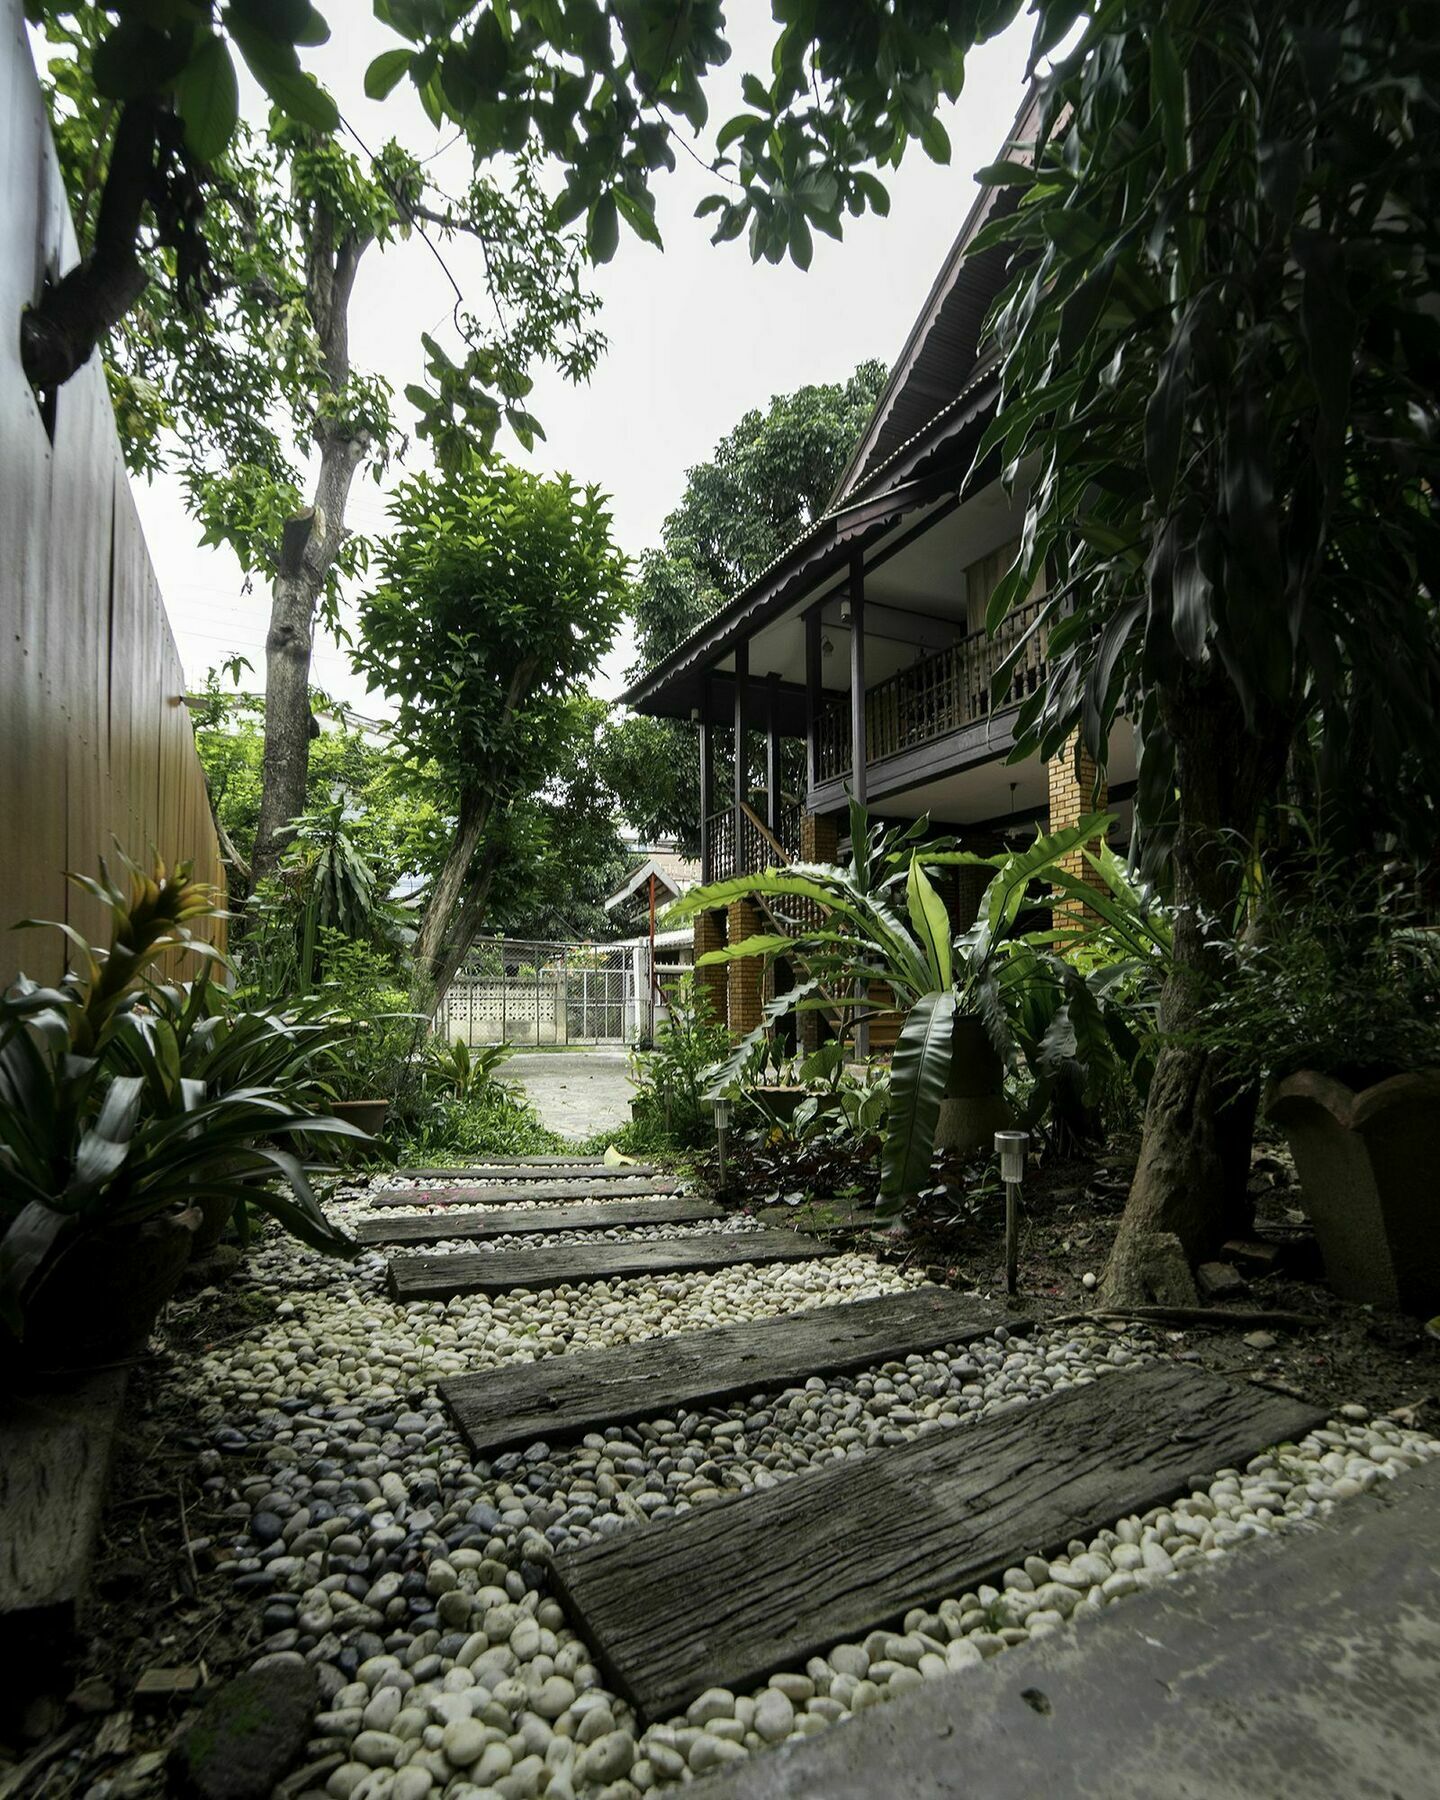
1302,1662
511,1196
498,1271
563,1396
724,1595
526,1169
498,1221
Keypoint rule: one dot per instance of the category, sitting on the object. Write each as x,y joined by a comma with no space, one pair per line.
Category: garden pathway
576,1092
687,1613
1309,1667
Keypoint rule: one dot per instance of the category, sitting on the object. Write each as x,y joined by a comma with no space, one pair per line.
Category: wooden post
707,784
858,784
742,766
772,752
813,632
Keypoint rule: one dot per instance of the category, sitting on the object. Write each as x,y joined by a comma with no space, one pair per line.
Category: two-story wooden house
867,640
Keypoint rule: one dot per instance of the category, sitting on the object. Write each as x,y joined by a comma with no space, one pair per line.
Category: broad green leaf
919,1073
604,232
386,72
1167,92
931,922
207,97
1005,174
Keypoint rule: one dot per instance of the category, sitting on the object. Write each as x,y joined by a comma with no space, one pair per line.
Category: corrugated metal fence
96,745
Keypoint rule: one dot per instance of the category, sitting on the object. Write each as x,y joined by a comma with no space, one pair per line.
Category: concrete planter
974,1107
1367,1165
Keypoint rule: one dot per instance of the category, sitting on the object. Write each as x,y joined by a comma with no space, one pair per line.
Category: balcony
942,693
753,846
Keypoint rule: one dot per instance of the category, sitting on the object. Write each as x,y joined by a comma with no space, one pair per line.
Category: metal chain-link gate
513,991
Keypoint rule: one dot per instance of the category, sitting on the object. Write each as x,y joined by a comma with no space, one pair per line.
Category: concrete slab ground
1303,1664
575,1092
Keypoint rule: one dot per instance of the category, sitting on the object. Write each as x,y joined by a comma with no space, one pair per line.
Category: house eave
932,467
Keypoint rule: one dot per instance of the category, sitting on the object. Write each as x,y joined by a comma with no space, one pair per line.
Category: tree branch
59,336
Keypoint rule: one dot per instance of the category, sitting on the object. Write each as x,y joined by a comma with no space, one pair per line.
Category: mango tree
498,595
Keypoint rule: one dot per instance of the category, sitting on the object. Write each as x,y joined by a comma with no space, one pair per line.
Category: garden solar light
720,1105
1011,1147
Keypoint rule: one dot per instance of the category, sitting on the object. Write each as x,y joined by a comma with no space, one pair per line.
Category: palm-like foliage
465,1068
852,932
122,1097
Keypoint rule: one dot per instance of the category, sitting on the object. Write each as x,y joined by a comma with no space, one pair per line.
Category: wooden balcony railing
758,847
933,697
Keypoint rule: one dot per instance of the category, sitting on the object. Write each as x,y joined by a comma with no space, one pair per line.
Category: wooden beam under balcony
898,625
772,751
814,695
857,676
742,727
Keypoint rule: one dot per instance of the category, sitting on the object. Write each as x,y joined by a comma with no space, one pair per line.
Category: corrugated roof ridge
855,475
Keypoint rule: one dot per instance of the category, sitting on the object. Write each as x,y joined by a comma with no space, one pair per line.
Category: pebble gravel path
413,1578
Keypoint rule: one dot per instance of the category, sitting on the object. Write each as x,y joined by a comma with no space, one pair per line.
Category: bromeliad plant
850,932
124,1099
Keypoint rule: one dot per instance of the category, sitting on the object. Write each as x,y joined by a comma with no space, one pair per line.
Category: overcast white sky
697,334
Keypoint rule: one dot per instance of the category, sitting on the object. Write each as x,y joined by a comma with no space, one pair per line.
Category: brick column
819,843
712,982
1075,789
819,838
743,1000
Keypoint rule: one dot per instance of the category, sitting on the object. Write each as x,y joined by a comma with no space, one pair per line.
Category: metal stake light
1011,1146
720,1107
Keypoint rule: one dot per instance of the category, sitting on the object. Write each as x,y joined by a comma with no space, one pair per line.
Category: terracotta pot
1367,1165
368,1115
101,1294
974,1107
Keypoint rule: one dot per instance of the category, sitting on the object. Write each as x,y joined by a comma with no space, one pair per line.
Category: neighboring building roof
673,872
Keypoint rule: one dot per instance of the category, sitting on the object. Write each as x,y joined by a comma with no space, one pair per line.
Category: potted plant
106,1146
1336,1003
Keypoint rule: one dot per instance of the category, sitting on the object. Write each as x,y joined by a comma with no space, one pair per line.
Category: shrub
671,1081
124,1099
1337,975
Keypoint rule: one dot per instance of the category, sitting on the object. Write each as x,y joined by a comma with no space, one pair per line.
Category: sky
697,335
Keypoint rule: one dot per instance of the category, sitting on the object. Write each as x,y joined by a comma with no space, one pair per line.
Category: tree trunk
59,335
457,901
1189,1187
309,545
466,922
435,959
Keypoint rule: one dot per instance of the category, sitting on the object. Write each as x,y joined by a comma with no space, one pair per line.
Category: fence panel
526,993
95,741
